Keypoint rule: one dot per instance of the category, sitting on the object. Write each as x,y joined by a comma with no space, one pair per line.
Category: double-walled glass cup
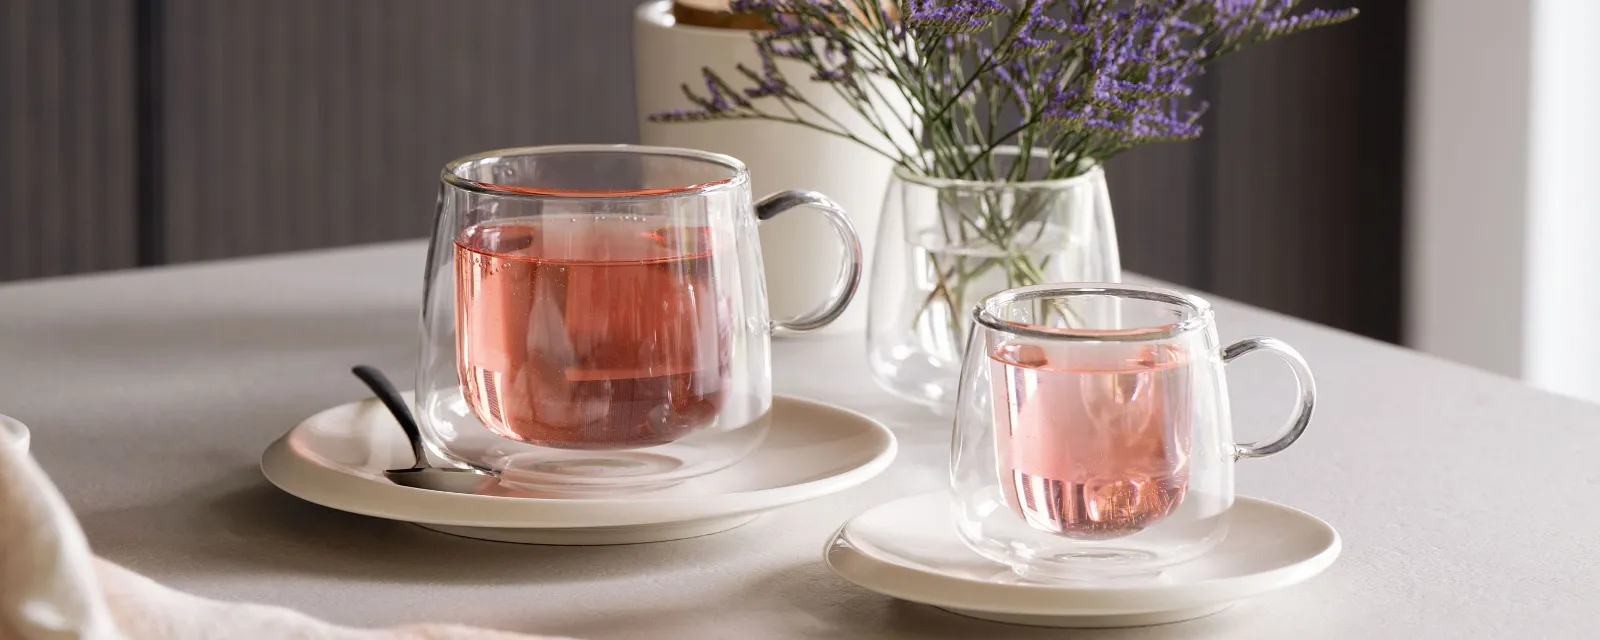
1092,435
595,317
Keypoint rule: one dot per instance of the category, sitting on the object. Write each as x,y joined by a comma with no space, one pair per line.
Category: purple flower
719,96
790,26
1308,20
1009,75
1027,46
1035,19
1089,78
958,16
681,115
768,82
1038,21
830,75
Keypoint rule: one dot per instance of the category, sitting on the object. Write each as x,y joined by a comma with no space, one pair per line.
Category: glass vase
943,245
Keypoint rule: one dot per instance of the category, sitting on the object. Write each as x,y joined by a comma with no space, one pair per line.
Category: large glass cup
1092,435
595,317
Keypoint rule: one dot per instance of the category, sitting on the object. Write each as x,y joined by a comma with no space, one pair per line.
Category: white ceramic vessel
797,252
336,459
13,433
909,549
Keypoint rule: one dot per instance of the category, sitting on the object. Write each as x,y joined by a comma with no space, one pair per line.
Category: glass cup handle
1303,381
849,268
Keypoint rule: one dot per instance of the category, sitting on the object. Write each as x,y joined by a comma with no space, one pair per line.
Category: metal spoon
421,475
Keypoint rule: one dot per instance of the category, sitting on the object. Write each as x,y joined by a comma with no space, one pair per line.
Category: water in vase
954,275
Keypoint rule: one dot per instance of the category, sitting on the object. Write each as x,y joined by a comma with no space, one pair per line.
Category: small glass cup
1092,435
595,316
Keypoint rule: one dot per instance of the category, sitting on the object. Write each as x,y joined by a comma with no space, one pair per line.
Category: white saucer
336,459
13,433
909,549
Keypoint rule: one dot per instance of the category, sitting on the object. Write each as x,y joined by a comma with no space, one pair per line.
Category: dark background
149,132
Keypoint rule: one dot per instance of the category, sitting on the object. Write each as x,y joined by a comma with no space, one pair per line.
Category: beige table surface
1469,504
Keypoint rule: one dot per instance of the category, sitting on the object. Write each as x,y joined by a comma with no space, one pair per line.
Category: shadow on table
251,526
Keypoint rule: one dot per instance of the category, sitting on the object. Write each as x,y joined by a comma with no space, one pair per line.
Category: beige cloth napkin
53,588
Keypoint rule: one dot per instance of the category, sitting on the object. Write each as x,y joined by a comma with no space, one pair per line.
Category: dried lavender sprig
1090,79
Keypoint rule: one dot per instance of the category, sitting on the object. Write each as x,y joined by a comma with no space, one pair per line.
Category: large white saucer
336,459
909,549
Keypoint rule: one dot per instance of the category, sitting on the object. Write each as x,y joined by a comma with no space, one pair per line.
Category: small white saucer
909,549
336,459
13,433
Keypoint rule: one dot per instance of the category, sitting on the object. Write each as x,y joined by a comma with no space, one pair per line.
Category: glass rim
1199,317
739,175
905,173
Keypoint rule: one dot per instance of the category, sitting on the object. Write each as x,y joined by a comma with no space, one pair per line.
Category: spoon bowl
442,479
421,475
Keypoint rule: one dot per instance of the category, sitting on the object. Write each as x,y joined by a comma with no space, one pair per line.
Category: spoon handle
381,387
